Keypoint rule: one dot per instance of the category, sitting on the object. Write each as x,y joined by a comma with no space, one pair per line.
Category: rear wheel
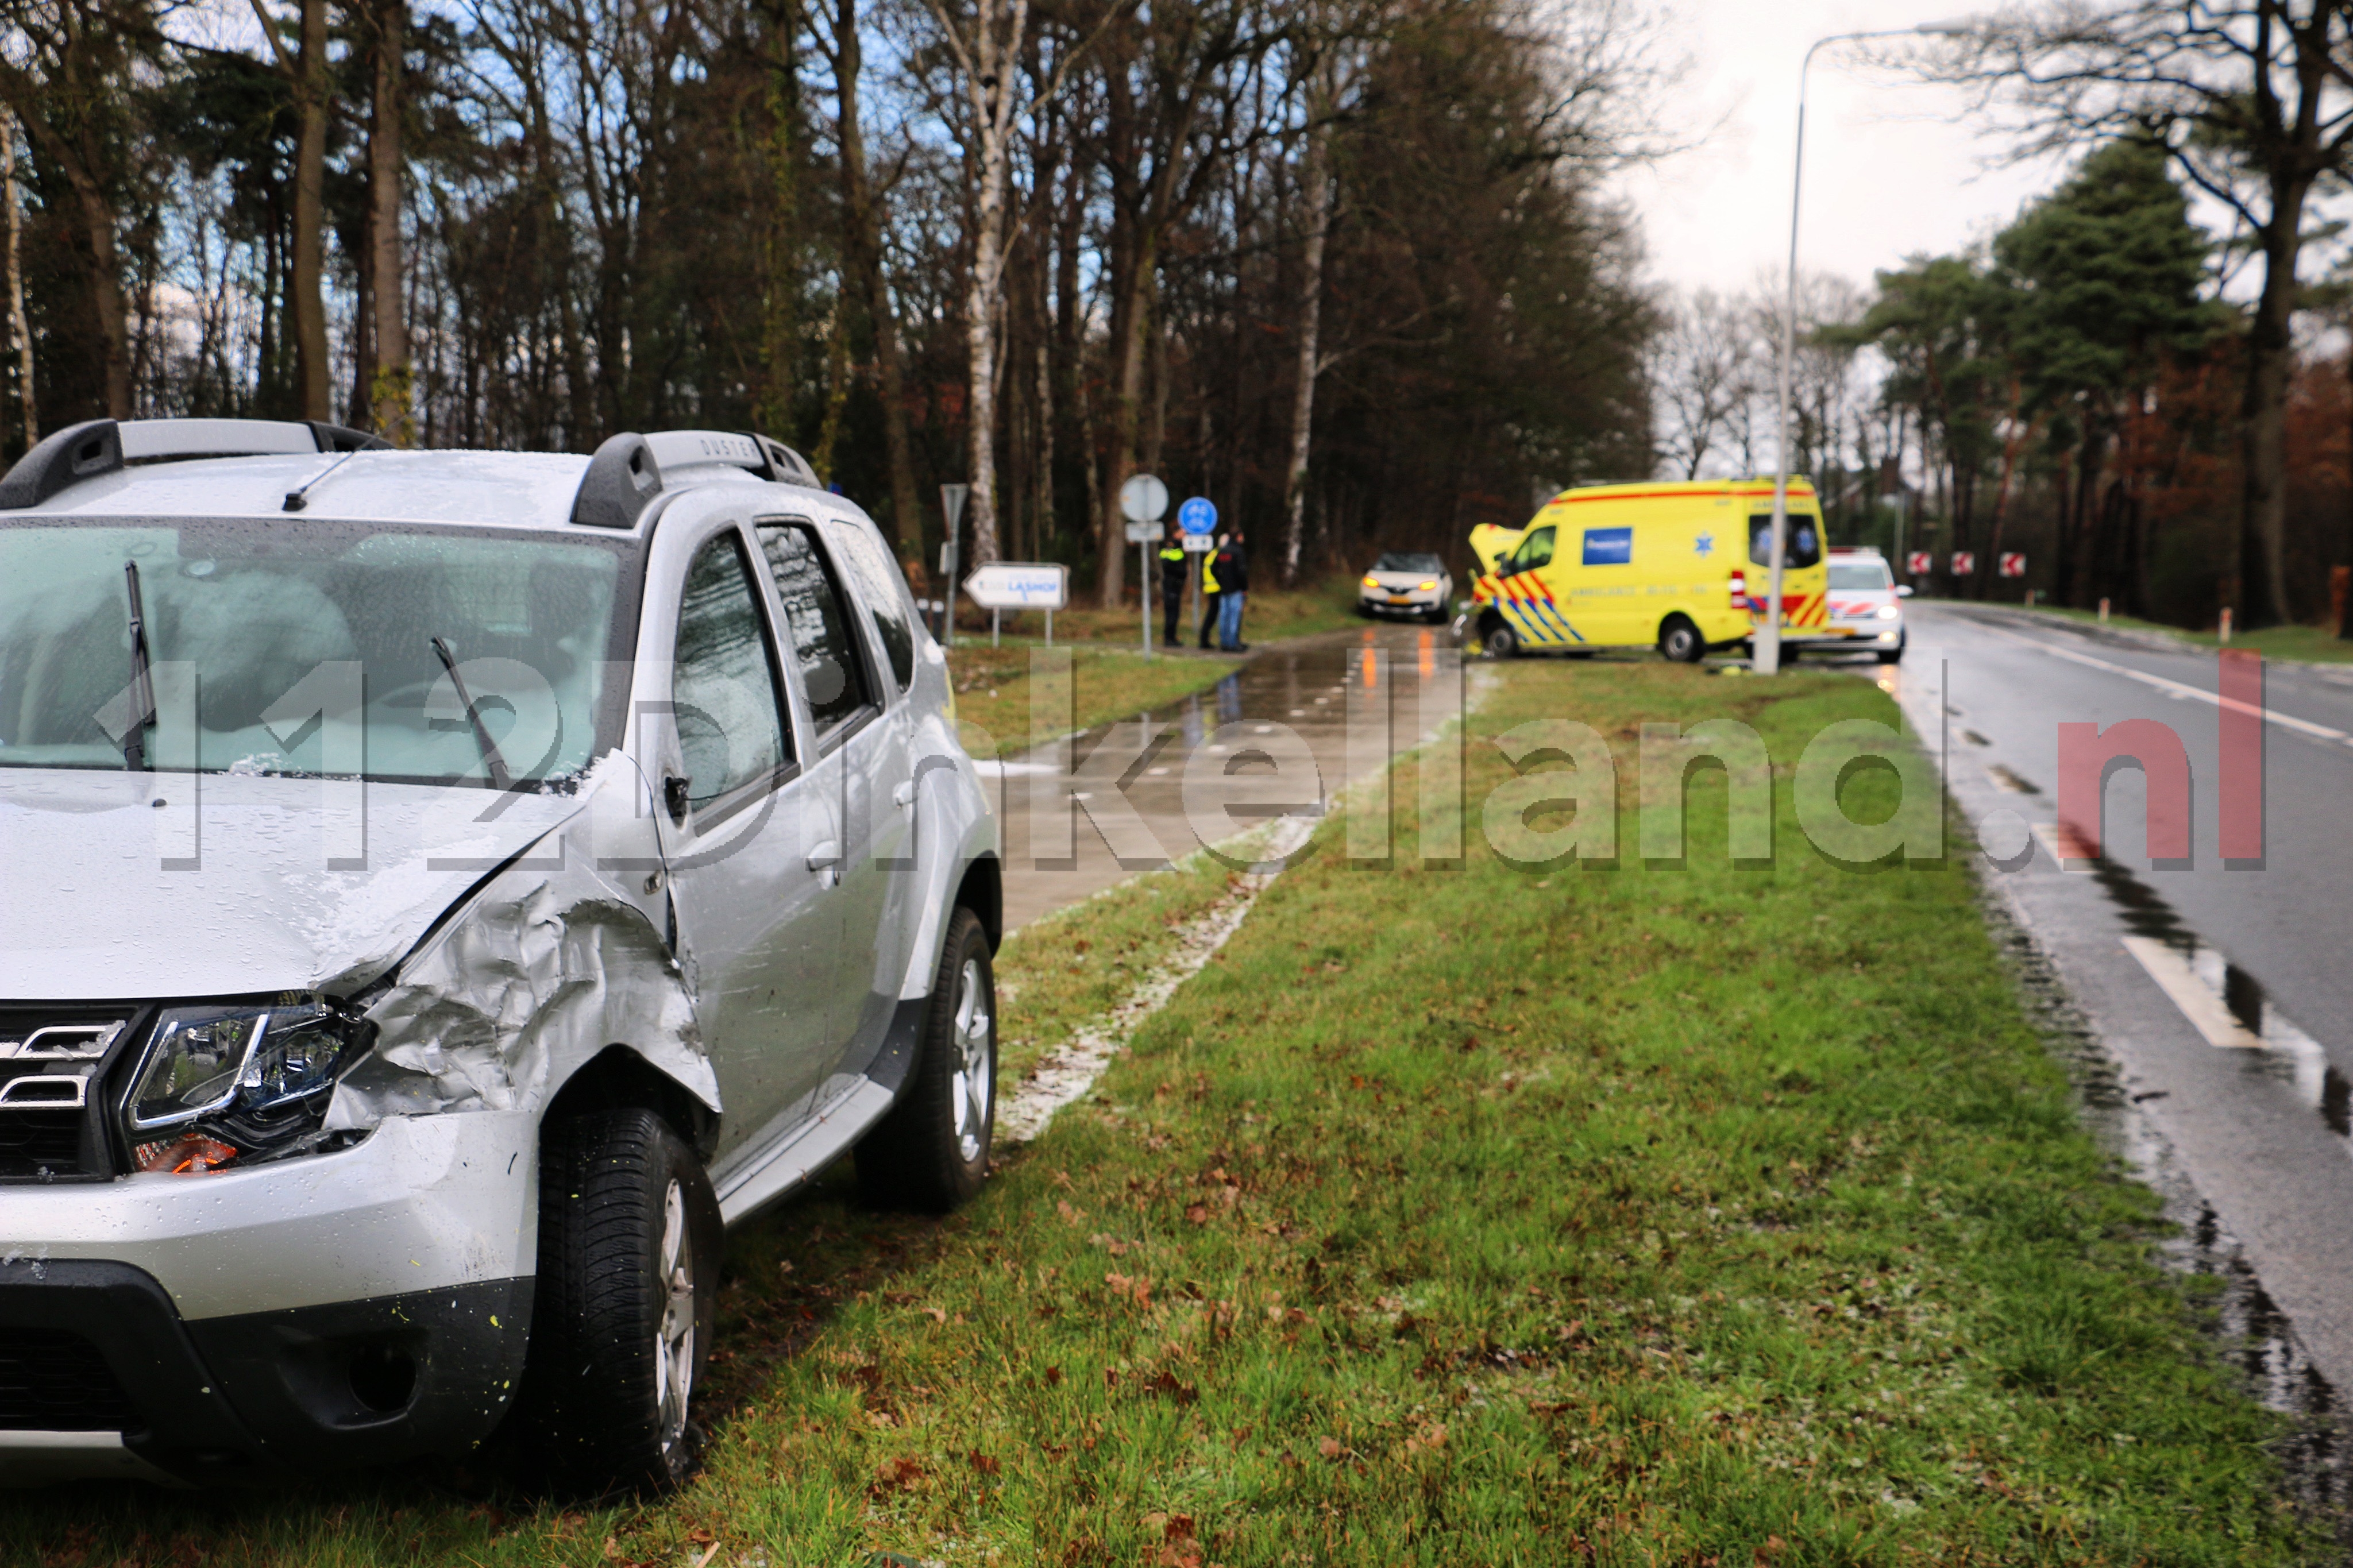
1680,641
930,1153
629,1243
1501,639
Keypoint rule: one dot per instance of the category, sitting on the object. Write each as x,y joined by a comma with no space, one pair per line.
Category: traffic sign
1020,585
1143,532
1919,563
1144,499
1965,563
1198,544
2012,564
1198,515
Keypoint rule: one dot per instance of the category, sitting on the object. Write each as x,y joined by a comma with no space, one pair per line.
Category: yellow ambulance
1680,567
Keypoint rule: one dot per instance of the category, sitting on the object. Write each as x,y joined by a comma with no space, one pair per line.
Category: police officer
1209,594
1172,585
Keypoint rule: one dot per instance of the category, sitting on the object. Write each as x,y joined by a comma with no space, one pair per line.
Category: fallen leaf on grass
1329,1447
982,1463
896,1475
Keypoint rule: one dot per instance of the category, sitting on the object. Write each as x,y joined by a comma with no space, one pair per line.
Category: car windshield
1408,561
1857,576
309,648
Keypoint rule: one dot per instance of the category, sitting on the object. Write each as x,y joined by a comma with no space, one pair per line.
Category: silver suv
447,889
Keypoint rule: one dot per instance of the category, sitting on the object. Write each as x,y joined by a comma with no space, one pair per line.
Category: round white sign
1144,499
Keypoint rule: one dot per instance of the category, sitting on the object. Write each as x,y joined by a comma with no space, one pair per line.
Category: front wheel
930,1153
1680,643
622,1316
1502,640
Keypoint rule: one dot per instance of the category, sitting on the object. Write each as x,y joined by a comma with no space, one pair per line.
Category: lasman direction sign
1020,585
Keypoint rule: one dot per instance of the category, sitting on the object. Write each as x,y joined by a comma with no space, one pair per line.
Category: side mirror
1904,590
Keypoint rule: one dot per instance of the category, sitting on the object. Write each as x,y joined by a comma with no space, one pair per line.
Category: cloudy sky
1891,169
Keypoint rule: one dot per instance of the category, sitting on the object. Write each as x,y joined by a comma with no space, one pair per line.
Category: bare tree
1704,375
864,216
2254,100
988,48
391,386
20,333
66,89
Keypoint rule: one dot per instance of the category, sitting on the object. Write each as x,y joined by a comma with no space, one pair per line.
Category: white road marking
2195,999
2175,688
2066,852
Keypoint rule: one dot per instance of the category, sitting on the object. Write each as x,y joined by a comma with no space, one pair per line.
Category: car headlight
237,1084
1888,612
1371,580
1426,583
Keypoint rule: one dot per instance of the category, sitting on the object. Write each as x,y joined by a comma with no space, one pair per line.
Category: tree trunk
309,217
391,388
2263,418
1134,320
779,316
862,241
19,332
1311,324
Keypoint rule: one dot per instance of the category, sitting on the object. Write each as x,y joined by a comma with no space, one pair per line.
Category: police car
1866,602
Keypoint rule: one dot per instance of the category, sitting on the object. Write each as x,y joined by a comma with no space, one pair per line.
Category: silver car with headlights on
1411,583
451,890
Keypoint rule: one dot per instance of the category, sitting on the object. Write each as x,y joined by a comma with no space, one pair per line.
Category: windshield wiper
500,778
142,678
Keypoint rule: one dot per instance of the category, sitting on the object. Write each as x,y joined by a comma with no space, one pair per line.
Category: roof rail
96,447
625,473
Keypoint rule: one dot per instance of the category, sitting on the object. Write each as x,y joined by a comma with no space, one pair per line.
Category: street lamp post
1767,639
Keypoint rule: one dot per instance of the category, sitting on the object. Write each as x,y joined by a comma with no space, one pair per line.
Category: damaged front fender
549,963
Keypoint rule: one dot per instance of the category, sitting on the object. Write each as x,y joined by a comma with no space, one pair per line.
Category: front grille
54,1381
33,1143
49,1123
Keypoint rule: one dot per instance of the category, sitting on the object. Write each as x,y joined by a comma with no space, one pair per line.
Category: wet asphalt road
2224,993
1292,698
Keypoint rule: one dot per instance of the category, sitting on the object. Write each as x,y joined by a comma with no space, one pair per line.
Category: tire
1680,642
622,1320
930,1153
1438,615
1895,655
1501,640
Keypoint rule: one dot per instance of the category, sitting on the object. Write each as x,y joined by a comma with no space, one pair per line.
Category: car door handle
826,855
905,796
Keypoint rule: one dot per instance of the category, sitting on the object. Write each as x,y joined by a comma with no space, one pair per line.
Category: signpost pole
1144,501
996,619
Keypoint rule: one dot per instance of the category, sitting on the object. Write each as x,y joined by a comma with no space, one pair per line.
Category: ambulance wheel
1501,641
1680,642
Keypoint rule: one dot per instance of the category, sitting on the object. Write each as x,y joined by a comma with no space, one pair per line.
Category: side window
818,617
882,585
731,723
1534,551
1802,546
1609,546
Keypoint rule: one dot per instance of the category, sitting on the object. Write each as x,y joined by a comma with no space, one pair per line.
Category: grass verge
1713,1215
1110,677
2309,644
1272,612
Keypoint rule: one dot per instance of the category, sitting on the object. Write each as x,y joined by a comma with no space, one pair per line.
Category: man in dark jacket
1174,565
1232,567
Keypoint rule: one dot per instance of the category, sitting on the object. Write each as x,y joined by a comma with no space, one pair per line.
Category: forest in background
2069,390
1343,267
